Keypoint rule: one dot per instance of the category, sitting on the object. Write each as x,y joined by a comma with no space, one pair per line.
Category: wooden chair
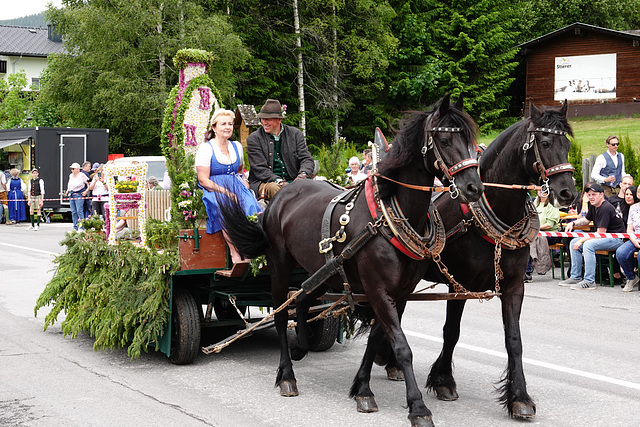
555,247
605,258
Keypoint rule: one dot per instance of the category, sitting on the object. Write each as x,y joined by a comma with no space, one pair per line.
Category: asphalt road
580,347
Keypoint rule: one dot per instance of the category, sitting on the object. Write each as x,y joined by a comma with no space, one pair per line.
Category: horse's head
546,153
450,151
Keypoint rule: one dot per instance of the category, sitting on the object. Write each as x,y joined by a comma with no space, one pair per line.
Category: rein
443,189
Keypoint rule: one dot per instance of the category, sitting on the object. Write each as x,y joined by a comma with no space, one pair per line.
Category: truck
52,151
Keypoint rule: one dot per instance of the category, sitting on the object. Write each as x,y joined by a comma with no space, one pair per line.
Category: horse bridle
440,163
538,165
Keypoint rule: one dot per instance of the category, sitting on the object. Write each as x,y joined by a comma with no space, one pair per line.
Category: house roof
247,114
579,26
27,41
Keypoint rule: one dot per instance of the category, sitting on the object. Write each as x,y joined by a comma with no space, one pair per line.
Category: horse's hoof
366,404
523,411
425,421
288,388
395,374
445,393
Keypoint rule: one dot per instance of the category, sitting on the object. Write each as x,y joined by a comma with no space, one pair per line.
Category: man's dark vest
610,169
35,187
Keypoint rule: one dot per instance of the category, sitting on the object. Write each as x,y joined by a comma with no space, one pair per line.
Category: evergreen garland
119,294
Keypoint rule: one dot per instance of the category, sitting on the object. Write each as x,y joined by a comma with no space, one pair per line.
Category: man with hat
278,153
35,190
605,220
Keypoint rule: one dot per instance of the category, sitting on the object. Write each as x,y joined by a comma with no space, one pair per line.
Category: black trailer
52,151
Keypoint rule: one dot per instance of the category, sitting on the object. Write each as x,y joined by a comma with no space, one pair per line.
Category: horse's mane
407,145
550,118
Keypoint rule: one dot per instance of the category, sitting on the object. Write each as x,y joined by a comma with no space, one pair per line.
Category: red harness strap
375,213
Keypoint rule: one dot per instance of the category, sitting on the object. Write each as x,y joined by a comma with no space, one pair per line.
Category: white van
156,164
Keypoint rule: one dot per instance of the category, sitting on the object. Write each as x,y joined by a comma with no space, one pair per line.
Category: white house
27,48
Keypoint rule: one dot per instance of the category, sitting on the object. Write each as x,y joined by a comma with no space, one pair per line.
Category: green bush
575,158
334,159
631,165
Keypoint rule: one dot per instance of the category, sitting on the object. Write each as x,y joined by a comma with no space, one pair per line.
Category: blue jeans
624,255
77,208
588,251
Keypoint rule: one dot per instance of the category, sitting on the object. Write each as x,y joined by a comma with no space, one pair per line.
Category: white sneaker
583,285
631,284
36,228
569,282
30,228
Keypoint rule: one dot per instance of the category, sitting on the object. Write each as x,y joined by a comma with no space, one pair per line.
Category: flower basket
127,196
127,186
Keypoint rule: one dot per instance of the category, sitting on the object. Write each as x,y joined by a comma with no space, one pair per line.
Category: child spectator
36,199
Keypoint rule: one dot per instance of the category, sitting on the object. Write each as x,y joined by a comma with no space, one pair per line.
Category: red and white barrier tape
585,234
58,199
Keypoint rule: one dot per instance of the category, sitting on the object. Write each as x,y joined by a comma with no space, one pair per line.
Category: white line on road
27,248
551,366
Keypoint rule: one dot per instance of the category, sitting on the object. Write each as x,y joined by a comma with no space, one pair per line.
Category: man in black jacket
278,153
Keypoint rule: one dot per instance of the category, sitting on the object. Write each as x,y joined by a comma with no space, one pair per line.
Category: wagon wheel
323,333
185,328
226,311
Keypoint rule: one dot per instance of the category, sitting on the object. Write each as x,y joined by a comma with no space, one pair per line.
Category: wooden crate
212,251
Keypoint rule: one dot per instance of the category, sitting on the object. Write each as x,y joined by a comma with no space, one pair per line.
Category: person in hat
605,220
76,186
608,169
35,190
278,153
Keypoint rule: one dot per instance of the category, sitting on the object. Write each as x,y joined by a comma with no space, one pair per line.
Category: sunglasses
614,144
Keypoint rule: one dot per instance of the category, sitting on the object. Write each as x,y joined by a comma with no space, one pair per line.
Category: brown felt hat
271,110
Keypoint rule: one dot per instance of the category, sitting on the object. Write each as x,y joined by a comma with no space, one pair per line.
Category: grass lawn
591,133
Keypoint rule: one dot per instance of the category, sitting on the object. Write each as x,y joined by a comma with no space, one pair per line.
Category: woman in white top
100,191
219,163
76,186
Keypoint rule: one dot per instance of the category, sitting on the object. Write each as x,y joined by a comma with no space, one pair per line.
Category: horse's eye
546,142
444,141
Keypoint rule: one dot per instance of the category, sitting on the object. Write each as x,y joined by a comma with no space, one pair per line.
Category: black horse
534,150
433,143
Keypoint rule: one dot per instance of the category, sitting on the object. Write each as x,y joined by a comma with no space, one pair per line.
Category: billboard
585,77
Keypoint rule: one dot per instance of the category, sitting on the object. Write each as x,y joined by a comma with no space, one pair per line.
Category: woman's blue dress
17,209
227,177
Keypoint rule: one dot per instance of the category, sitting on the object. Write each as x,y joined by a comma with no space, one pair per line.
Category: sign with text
585,77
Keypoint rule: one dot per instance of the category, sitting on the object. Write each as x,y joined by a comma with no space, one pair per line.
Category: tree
14,106
475,42
119,73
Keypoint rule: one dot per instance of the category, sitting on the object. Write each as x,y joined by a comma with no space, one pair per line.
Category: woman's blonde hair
14,172
214,120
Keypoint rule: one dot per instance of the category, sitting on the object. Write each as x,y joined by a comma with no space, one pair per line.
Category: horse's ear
444,104
534,113
563,110
460,103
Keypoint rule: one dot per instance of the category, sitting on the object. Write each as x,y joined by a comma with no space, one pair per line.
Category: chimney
52,35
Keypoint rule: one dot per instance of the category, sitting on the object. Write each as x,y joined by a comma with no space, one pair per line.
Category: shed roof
247,114
27,41
571,29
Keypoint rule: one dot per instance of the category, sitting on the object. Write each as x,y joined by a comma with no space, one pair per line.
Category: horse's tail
247,235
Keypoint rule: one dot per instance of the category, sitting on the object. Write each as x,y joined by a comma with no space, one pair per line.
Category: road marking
551,366
27,248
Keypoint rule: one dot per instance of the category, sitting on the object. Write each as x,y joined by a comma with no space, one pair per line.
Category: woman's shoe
237,270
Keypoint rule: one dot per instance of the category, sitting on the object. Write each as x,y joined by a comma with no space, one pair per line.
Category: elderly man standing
277,153
608,169
605,220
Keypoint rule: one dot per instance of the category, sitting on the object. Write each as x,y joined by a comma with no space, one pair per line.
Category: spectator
618,200
15,194
367,161
86,169
75,189
608,169
278,153
624,254
100,191
549,217
35,190
605,220
354,175
4,205
153,183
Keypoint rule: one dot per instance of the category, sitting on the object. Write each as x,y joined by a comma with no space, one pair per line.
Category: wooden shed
246,121
596,69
